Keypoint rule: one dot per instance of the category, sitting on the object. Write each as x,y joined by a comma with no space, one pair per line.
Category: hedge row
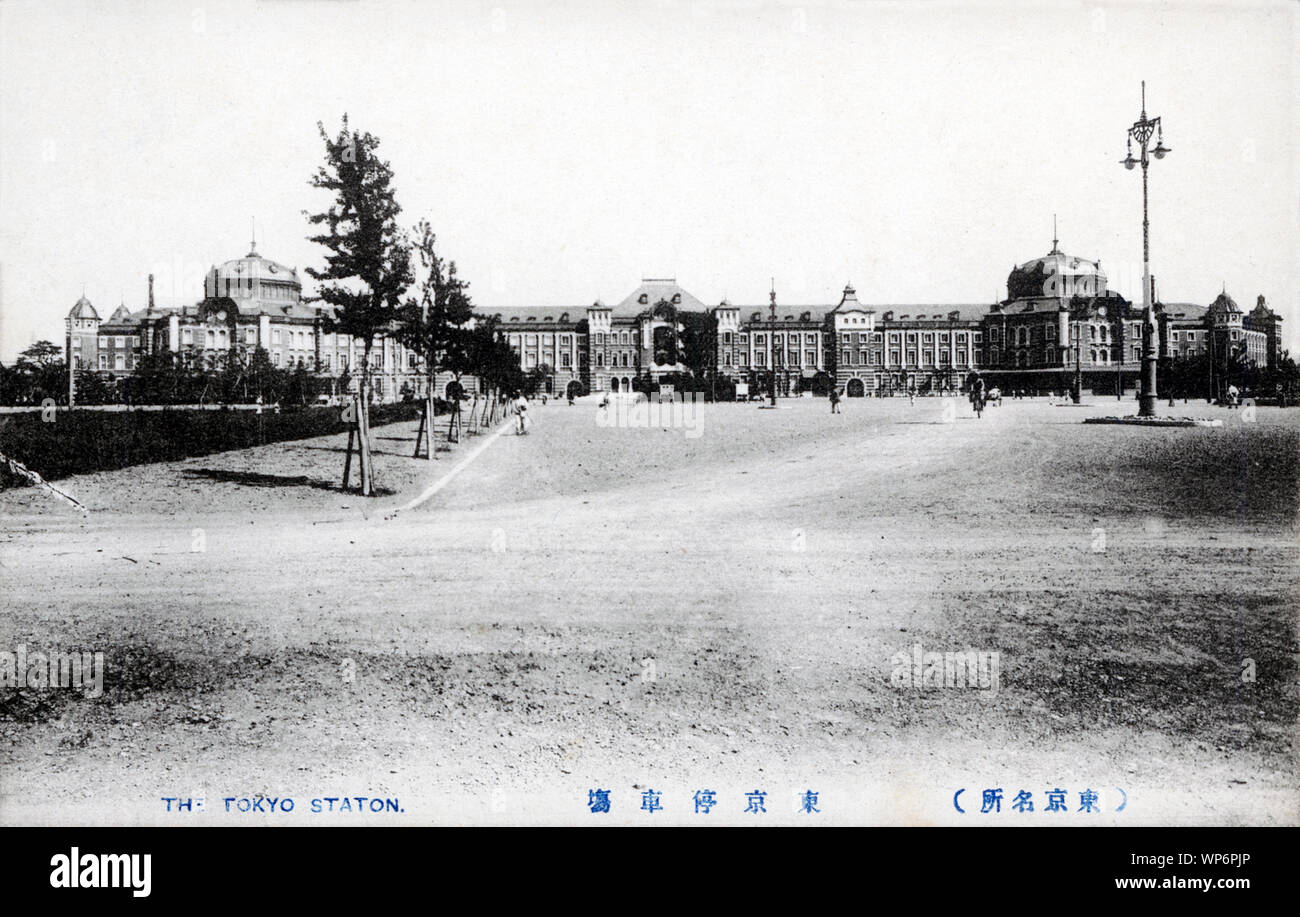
87,441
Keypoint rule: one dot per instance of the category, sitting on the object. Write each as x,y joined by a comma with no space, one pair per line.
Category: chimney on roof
150,308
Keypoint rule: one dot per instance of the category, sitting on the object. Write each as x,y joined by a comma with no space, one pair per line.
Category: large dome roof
257,284
1056,274
255,267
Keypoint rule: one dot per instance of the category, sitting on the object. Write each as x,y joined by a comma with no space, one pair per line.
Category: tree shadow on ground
438,446
257,479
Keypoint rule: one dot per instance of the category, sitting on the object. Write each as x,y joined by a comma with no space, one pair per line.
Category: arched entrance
627,384
613,384
855,388
574,389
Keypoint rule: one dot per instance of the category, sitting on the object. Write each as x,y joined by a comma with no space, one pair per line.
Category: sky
565,150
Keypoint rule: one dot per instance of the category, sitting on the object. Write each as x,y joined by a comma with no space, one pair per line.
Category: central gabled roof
651,292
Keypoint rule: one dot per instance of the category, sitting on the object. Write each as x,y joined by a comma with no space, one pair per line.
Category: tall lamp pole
1142,131
1077,394
771,340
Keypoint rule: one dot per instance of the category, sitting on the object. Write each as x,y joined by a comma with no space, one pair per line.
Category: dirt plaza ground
657,608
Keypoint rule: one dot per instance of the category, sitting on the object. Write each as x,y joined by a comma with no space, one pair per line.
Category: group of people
975,389
519,406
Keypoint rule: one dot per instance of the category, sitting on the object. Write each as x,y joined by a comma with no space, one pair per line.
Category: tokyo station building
1059,317
247,303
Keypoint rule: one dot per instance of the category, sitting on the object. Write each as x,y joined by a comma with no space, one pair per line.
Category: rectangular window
103,361
810,358
187,336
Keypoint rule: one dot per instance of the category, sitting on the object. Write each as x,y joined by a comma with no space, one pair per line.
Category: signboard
742,389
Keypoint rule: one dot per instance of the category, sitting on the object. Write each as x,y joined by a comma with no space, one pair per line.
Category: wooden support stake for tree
347,462
419,434
367,461
453,425
428,428
473,415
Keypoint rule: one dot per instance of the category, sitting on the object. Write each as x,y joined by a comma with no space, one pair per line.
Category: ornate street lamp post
1077,393
1142,131
771,341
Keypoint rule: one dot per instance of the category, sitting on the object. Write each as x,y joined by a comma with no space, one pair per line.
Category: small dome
1224,303
84,310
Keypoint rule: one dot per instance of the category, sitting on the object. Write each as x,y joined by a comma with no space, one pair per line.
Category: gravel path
632,608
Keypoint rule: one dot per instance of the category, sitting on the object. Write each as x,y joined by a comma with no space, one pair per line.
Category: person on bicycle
976,383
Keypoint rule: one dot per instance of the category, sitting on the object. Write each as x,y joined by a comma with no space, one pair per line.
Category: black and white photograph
752,413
